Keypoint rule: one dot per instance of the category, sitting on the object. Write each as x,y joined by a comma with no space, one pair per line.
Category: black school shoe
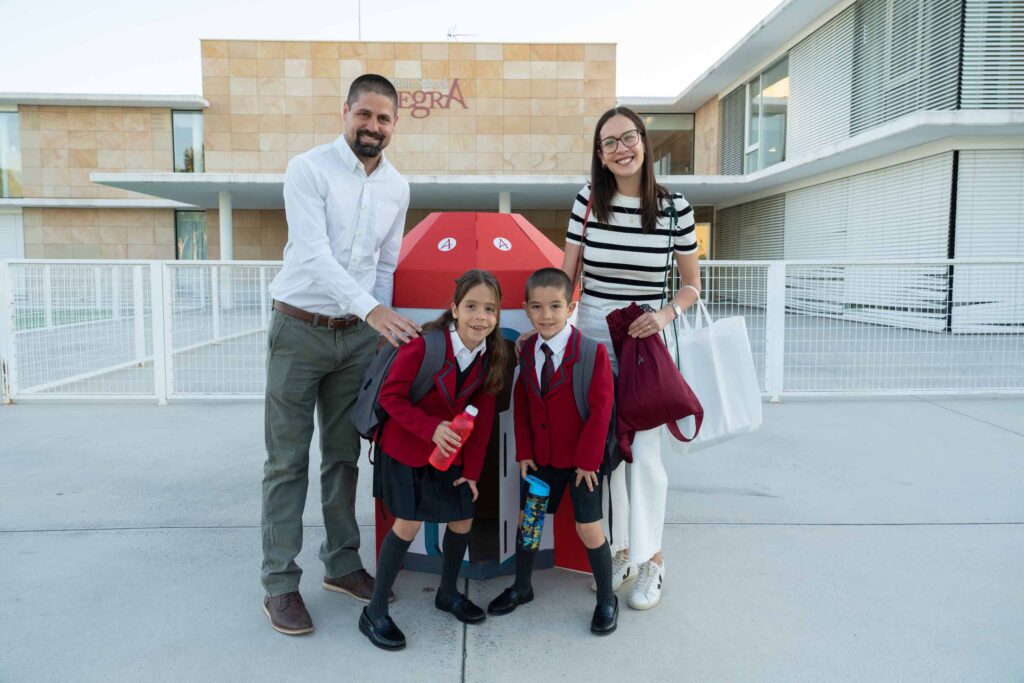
509,599
606,618
383,632
462,607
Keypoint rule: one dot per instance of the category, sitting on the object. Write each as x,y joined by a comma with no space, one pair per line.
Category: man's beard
367,150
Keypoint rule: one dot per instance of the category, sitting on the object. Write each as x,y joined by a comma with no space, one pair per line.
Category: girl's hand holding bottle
447,439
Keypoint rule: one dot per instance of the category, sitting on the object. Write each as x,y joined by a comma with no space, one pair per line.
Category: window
767,101
190,229
905,59
188,141
10,155
671,137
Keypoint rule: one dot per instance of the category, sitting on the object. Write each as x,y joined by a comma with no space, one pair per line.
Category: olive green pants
311,368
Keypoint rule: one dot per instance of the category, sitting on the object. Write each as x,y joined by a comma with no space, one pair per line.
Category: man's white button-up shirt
344,232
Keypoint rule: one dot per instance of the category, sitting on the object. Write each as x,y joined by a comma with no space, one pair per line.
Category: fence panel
82,329
904,332
157,330
217,333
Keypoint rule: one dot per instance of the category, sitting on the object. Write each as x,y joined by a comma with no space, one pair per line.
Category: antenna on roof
452,35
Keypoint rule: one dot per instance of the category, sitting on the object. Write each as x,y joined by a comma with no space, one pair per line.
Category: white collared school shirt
557,345
344,232
463,356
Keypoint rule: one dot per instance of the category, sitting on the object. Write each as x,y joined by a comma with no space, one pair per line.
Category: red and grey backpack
366,413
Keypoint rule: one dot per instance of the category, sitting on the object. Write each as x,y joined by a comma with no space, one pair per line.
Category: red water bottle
461,425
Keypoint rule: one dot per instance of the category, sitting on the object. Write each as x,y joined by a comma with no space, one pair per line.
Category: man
345,206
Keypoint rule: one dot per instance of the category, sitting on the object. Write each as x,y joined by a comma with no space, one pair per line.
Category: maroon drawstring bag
649,391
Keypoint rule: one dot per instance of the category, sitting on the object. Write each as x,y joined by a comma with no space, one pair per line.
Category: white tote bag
715,360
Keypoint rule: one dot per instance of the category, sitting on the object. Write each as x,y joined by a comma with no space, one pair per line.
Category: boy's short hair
549,277
374,83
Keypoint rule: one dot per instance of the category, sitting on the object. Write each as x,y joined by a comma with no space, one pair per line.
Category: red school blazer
549,429
408,434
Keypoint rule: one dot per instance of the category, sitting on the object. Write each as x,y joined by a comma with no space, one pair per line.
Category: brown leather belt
315,319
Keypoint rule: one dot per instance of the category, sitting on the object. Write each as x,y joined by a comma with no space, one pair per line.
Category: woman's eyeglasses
630,139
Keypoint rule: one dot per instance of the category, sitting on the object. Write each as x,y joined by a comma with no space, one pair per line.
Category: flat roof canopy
480,192
186,102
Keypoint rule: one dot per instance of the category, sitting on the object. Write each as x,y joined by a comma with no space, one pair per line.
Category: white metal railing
161,330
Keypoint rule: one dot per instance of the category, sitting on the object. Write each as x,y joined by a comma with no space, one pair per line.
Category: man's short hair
372,83
549,277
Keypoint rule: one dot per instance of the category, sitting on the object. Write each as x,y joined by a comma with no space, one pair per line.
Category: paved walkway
876,540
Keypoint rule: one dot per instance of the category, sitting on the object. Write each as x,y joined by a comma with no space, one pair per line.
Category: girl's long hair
602,180
497,349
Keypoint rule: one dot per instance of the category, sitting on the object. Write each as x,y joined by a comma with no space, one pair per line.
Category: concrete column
504,202
227,236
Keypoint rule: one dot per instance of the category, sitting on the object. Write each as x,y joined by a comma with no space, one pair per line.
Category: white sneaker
646,591
623,571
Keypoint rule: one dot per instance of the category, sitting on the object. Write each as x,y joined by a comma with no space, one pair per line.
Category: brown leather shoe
288,614
358,584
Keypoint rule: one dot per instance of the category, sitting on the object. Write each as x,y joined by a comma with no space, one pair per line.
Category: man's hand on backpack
589,476
392,326
472,485
525,466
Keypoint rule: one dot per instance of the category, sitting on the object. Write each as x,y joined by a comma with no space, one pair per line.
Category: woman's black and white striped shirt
620,261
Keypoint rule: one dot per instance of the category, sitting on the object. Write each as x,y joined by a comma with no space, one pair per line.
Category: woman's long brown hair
497,349
602,180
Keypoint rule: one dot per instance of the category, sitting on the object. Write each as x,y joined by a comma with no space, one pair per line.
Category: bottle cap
537,487
472,411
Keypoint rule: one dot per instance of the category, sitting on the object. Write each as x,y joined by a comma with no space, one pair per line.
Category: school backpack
366,413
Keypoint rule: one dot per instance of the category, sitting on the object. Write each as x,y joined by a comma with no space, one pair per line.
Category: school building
868,129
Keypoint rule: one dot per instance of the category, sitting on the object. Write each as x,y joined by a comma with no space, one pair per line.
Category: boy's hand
589,476
525,466
472,485
521,339
446,439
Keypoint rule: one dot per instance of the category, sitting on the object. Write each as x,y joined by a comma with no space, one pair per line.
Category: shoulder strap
433,360
578,272
583,374
666,292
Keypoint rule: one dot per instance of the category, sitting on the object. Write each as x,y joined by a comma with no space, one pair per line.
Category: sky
152,46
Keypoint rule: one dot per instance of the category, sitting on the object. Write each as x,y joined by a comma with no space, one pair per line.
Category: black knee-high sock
601,564
392,552
524,566
454,549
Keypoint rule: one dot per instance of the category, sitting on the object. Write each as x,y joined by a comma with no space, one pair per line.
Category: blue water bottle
534,509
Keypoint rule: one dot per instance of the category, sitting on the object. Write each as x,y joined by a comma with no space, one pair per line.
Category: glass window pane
10,155
188,141
671,137
753,112
750,162
773,105
190,228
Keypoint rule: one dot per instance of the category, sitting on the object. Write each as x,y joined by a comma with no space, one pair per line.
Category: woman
630,233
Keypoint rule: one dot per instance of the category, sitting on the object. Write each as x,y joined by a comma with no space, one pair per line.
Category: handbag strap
577,274
672,225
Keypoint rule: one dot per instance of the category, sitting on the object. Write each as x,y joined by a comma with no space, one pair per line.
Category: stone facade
487,108
61,146
705,133
99,233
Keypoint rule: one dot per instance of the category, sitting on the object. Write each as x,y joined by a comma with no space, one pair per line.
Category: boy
555,443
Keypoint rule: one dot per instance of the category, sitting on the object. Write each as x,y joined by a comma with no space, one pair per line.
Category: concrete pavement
849,540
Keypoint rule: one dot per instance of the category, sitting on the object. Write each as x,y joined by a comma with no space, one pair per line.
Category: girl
629,234
412,489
